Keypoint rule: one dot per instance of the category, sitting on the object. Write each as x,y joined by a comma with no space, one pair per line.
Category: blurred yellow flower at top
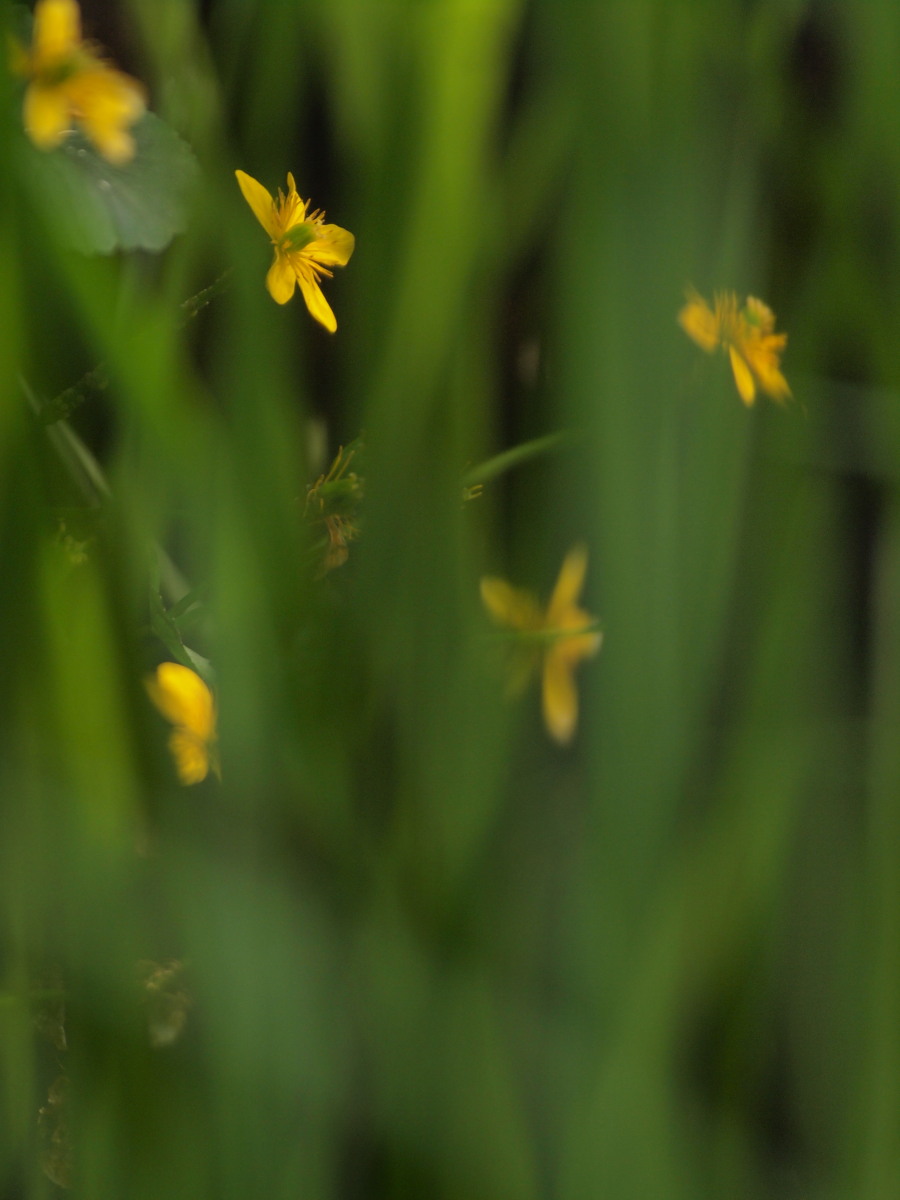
305,247
748,334
69,82
560,637
184,699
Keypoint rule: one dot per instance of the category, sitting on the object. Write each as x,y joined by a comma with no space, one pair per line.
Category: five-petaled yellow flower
305,247
69,82
560,637
184,699
748,334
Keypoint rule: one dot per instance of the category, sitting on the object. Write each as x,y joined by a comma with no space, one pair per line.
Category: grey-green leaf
98,207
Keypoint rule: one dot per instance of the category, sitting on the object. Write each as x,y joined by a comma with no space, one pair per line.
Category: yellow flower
747,334
184,699
68,81
304,246
562,637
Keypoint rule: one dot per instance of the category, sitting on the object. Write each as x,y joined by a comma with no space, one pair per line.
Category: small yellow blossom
305,247
69,82
562,637
748,334
184,699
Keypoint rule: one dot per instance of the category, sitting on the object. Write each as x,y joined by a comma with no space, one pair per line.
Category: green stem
505,461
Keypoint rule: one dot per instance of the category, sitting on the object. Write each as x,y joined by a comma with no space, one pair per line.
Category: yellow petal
281,279
316,303
260,200
560,698
191,756
184,699
762,355
509,605
114,144
332,247
568,588
46,115
743,376
107,103
773,383
57,31
699,322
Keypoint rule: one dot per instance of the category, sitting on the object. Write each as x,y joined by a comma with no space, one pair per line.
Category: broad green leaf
98,207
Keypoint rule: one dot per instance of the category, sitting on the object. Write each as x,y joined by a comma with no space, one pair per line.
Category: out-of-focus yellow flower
305,247
69,82
560,637
184,699
748,334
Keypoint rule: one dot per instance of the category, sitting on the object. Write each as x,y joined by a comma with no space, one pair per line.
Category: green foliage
406,946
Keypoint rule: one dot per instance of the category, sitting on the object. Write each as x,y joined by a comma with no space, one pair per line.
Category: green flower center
297,237
55,73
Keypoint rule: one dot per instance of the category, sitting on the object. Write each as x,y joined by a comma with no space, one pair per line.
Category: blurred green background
407,947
